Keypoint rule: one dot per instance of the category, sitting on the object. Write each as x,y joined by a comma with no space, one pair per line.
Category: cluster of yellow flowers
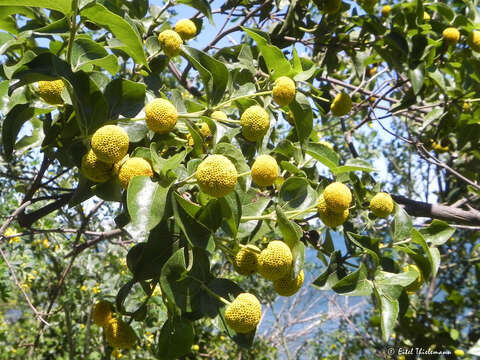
172,40
333,204
107,157
274,263
9,232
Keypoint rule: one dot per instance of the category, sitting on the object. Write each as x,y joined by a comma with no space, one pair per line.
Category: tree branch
437,211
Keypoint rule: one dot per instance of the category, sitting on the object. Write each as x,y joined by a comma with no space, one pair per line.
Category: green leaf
254,208
438,232
417,77
59,27
214,73
185,212
87,52
125,98
120,28
165,166
326,156
90,102
64,6
367,244
290,230
389,311
298,255
122,295
201,5
432,253
296,194
402,225
331,275
355,283
136,130
353,165
14,121
384,278
231,210
276,62
303,115
172,272
145,202
446,11
176,339
225,288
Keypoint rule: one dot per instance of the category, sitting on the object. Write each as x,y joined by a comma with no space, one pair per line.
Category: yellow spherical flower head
417,284
110,143
426,16
102,312
161,116
246,260
474,40
219,115
275,261
171,42
264,170
244,313
205,130
255,122
135,166
332,6
386,10
287,286
283,91
459,352
119,334
451,36
382,205
186,29
51,91
94,169
328,217
337,197
341,105
217,176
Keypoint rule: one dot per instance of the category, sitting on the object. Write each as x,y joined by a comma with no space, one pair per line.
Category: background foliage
413,131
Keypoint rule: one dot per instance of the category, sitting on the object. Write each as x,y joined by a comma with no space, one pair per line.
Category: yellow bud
161,116
451,36
255,122
264,170
110,143
186,29
283,91
337,197
275,261
217,176
171,42
135,166
244,313
341,105
386,10
287,286
51,91
382,205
